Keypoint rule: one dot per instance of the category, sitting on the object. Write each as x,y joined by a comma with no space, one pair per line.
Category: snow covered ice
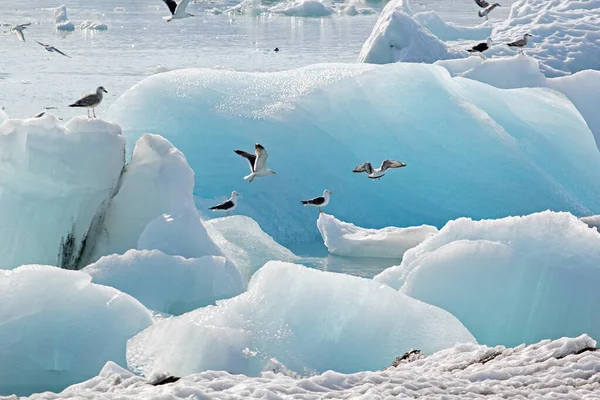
49,318
309,320
510,281
448,31
346,239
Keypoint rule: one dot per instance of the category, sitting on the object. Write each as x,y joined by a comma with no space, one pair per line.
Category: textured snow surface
308,320
242,241
53,180
169,284
57,328
345,239
512,152
564,368
397,37
509,281
448,31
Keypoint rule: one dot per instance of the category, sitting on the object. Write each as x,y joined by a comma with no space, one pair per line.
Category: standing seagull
519,44
177,10
379,172
487,8
228,205
18,30
90,101
51,49
318,202
481,47
258,162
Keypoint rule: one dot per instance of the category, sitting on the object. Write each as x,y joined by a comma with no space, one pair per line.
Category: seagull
519,44
318,202
379,172
177,10
258,162
18,30
51,48
228,205
90,101
481,47
487,8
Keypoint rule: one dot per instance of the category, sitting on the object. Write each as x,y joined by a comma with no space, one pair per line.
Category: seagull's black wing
250,157
41,44
364,167
317,201
171,4
482,3
480,47
387,164
226,205
60,52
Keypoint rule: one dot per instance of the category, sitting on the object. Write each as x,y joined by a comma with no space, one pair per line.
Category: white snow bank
565,33
397,37
62,20
308,320
93,25
302,8
507,159
345,239
552,369
169,284
448,31
57,328
53,181
510,281
242,241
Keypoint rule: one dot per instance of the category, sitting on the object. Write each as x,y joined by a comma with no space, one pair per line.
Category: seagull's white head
527,34
101,89
326,192
489,41
234,194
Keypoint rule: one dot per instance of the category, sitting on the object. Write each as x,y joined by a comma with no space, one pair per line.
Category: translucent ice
62,20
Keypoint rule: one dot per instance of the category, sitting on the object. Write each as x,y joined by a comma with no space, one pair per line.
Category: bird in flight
52,49
378,172
258,162
18,30
177,10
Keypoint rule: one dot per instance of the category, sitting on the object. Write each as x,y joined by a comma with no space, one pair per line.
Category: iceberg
345,239
308,320
62,20
168,284
509,281
302,8
484,155
448,31
398,37
241,240
93,25
49,317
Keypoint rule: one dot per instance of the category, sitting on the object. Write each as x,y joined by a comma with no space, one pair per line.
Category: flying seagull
481,47
258,162
519,44
51,49
487,8
18,30
318,202
379,172
90,101
228,205
177,10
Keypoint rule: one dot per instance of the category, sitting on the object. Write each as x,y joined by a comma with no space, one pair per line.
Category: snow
448,31
346,239
308,320
302,8
50,317
397,37
564,368
514,280
242,240
168,284
54,179
94,25
496,156
3,116
62,20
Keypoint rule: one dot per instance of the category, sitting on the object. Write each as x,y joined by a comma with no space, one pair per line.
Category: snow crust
49,318
62,20
169,284
397,37
447,31
507,159
515,280
346,239
308,320
564,368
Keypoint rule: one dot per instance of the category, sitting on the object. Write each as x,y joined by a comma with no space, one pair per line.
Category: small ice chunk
93,25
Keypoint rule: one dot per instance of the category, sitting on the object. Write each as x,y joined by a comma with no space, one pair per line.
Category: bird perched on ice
481,47
228,205
18,30
258,162
318,202
378,172
92,101
519,44
177,10
51,49
486,8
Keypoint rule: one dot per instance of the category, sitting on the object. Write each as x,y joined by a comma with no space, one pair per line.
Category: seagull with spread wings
18,30
52,49
258,162
378,172
177,10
